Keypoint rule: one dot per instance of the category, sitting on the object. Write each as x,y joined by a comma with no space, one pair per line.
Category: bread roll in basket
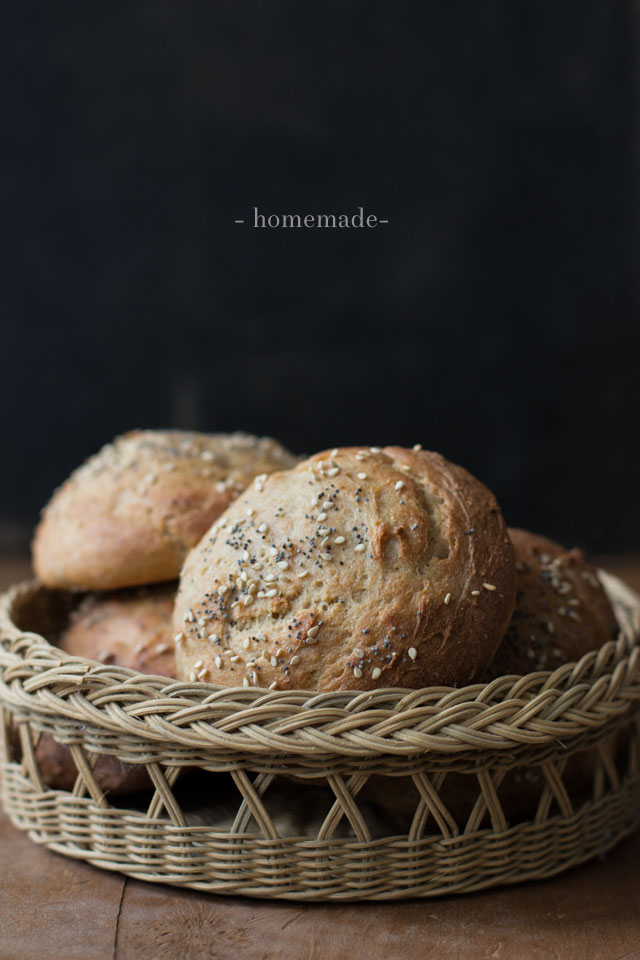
261,788
251,750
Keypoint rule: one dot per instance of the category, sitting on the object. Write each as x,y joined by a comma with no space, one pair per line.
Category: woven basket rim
509,713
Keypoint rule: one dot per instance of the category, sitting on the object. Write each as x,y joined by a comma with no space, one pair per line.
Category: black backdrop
494,318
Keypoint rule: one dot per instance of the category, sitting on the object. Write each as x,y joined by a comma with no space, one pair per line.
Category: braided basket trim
135,715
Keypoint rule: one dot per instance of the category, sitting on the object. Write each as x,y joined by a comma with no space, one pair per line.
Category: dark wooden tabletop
54,908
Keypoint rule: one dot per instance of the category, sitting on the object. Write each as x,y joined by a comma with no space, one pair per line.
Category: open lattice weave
294,795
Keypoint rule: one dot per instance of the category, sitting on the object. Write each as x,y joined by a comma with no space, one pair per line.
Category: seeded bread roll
357,569
561,613
130,514
131,629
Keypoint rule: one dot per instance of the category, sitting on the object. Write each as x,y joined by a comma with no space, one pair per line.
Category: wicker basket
275,794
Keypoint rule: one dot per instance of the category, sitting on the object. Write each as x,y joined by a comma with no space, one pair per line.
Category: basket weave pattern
256,741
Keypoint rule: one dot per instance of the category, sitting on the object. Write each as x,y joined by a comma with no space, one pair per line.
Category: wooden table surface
54,908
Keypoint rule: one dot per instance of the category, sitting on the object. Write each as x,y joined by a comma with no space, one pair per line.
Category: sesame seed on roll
130,514
561,612
357,569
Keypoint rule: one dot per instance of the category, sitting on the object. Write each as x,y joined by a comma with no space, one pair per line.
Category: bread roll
130,514
561,613
58,770
129,629
357,569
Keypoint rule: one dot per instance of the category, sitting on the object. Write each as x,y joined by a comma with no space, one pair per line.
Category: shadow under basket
386,794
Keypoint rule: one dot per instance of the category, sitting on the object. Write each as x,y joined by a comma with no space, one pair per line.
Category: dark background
495,318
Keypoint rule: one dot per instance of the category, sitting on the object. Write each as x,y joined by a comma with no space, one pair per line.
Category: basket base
389,868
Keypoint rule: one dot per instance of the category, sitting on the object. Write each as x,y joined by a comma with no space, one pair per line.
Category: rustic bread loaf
128,628
130,514
561,612
132,629
357,569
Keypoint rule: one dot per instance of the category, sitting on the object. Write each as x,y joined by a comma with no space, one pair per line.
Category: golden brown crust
130,628
561,612
130,514
357,569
